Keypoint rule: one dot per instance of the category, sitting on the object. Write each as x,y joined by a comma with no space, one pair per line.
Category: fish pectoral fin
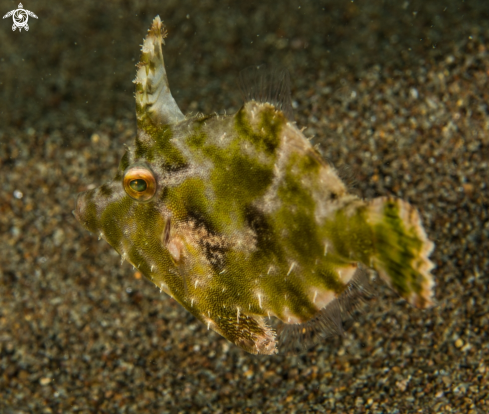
154,101
249,332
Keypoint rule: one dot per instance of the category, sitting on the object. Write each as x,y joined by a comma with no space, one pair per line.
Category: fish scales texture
240,220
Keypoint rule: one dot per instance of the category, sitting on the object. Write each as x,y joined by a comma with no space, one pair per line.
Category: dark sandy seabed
397,91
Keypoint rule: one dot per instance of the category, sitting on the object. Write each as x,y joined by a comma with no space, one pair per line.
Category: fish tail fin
402,250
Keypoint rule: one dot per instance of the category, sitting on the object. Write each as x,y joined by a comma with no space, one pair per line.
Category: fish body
241,221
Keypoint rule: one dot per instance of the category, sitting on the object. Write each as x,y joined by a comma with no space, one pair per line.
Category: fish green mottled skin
240,220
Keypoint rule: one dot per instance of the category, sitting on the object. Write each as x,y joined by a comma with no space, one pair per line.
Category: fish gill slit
166,232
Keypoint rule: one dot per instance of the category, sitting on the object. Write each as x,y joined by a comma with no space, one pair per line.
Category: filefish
241,221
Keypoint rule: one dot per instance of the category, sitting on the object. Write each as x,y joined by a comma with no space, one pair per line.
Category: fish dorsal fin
271,85
154,101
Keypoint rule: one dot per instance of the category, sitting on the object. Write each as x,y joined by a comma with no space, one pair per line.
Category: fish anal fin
328,321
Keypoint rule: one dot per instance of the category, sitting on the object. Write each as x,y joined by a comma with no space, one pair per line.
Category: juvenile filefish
240,220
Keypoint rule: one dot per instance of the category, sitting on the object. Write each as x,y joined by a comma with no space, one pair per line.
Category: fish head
129,212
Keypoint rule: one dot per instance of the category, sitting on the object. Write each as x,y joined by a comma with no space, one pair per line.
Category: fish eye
139,183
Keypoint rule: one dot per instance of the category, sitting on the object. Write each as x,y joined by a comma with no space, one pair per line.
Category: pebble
44,381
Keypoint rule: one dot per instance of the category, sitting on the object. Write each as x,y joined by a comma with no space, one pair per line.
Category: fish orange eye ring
139,183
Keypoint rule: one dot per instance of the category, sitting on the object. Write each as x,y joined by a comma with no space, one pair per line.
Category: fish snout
80,207
84,210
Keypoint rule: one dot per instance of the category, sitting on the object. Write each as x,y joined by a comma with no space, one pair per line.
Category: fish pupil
138,185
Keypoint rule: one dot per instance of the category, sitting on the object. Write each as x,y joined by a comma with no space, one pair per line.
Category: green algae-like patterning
241,221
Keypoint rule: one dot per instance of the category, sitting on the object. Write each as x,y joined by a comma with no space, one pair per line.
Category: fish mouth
79,206
82,203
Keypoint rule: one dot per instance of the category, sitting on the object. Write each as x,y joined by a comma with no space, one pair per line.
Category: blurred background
394,93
